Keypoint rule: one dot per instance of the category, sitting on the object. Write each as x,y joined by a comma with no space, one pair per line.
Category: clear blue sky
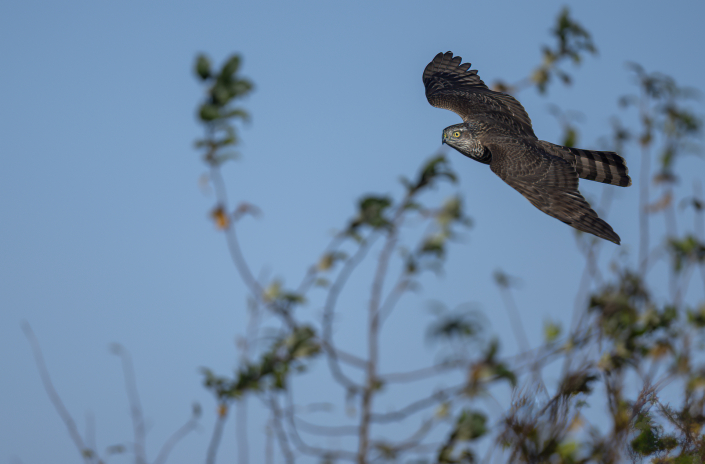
105,235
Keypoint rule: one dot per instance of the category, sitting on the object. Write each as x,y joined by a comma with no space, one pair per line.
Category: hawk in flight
497,131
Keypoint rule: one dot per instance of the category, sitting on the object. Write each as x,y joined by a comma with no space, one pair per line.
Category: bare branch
231,237
416,406
329,310
414,441
135,405
309,278
393,298
90,431
177,436
519,333
422,373
217,433
699,221
241,427
277,420
296,438
327,430
87,454
349,358
371,381
644,181
515,319
269,443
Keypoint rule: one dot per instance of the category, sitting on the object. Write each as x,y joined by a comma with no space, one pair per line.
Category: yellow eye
456,134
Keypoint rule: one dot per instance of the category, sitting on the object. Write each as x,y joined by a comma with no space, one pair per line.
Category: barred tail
601,166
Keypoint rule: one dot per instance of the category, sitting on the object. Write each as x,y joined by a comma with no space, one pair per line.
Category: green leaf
470,425
371,212
650,439
330,259
570,138
551,331
567,450
203,67
502,372
435,169
577,382
697,317
209,112
231,66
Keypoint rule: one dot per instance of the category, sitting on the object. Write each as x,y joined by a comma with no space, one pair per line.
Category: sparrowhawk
497,131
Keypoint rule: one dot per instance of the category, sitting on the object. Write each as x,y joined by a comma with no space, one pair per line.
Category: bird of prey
497,131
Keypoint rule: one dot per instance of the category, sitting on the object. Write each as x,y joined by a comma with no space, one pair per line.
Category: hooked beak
444,138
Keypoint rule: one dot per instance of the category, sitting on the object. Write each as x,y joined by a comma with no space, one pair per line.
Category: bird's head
458,137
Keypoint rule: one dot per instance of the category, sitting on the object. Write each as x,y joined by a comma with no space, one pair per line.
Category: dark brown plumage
496,130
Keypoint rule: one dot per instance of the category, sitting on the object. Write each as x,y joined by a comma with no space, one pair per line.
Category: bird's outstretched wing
550,183
450,84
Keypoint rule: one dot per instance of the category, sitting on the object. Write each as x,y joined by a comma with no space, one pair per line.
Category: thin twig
309,277
90,431
699,221
217,433
393,298
372,382
277,420
348,358
422,373
133,399
515,319
414,441
326,430
86,453
644,181
176,437
329,311
590,273
269,443
233,244
300,444
520,334
241,428
416,406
